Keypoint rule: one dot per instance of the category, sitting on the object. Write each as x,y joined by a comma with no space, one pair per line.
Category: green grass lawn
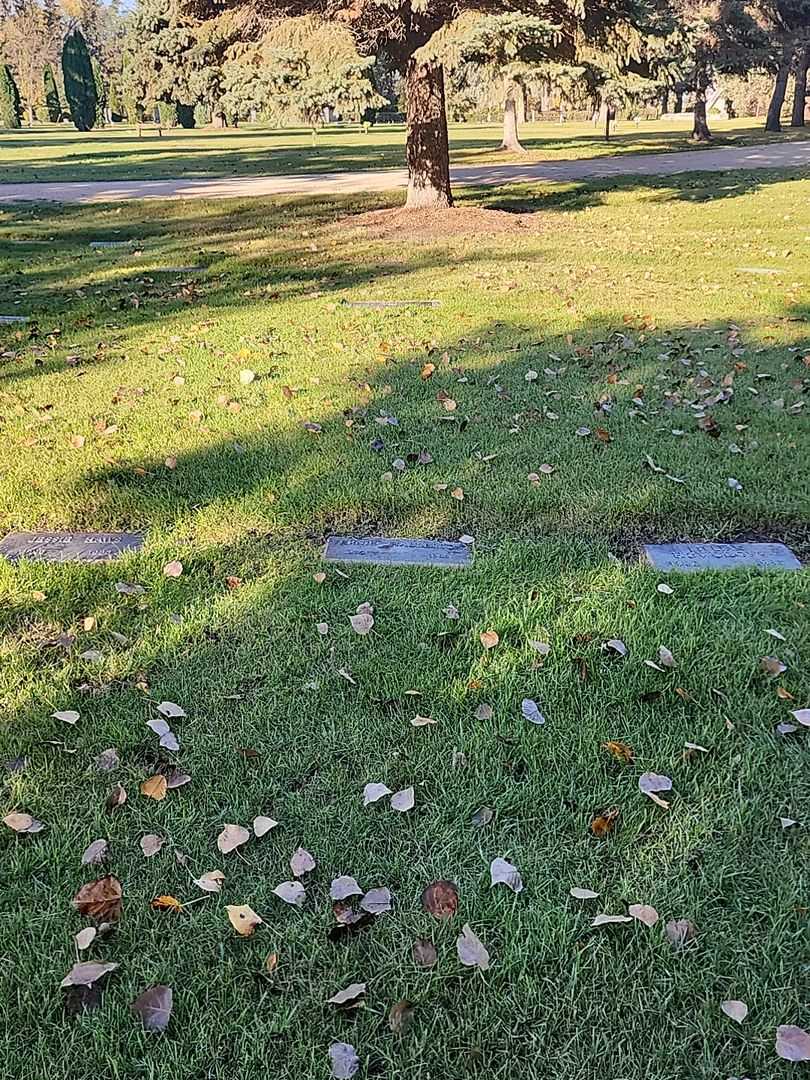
122,408
54,153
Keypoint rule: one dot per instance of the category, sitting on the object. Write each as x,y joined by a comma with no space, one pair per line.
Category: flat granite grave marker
69,546
112,243
691,557
392,303
447,554
7,320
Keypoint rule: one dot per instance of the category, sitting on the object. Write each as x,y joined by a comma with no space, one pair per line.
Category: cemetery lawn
584,340
51,152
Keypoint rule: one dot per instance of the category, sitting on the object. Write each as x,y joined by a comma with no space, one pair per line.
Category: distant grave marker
446,554
692,557
7,320
177,270
102,244
763,270
68,546
392,303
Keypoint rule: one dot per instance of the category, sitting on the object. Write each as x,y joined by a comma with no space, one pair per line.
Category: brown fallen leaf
210,881
154,1008
440,899
619,750
604,824
23,823
86,974
489,639
166,903
424,953
772,665
243,918
100,899
350,998
644,913
400,1017
231,837
155,787
173,569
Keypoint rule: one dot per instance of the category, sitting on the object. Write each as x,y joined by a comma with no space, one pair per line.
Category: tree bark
700,127
511,142
664,102
773,120
678,101
800,89
426,148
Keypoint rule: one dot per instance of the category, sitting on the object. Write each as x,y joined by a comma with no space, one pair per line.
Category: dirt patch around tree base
403,224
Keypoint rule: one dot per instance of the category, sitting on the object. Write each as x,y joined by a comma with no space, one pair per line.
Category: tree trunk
700,127
773,120
426,148
664,102
511,142
679,101
30,115
800,91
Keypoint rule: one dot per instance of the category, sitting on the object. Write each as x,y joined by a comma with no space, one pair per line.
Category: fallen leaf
362,624
403,800
232,837
243,918
86,974
644,913
85,938
301,862
95,853
482,816
484,712
610,920
427,371
424,953
489,639
680,932
343,887
664,589
271,962
23,823
154,1008
801,716
108,760
173,569
541,647
210,881
619,750
100,899
582,894
68,716
504,873
170,710
470,949
374,792
400,1017
792,1043
650,784
155,787
116,798
604,823
350,997
772,665
177,778
319,578
666,657
344,1060
376,901
422,721
246,376
440,899
166,903
263,825
775,634
451,611
617,646
735,1010
151,844
531,712
291,892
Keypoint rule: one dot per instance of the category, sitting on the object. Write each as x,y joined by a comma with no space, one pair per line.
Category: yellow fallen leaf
166,903
489,639
243,918
155,787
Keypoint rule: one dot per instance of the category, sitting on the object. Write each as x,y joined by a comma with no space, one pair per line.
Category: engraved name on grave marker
692,557
69,546
447,554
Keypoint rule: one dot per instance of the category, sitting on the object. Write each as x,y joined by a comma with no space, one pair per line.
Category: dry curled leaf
422,721
291,892
610,920
263,825
95,853
243,918
100,899
86,974
400,1017
373,792
735,1010
617,646
471,950
504,873
151,844
645,913
344,1060
85,938
376,901
173,569
67,716
440,899
155,787
772,665
604,824
23,823
582,894
801,716
210,881
348,998
231,837
301,862
116,798
489,639
165,902
424,953
619,750
170,711
792,1043
343,887
531,712
154,1008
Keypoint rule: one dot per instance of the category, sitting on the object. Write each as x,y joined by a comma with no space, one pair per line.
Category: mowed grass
59,153
632,303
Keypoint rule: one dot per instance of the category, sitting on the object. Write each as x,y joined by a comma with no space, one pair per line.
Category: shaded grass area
54,153
632,303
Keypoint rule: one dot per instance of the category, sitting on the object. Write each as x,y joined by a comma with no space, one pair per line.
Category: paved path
772,156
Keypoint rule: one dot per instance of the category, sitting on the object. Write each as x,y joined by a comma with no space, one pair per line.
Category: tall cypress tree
52,103
80,86
101,93
9,99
